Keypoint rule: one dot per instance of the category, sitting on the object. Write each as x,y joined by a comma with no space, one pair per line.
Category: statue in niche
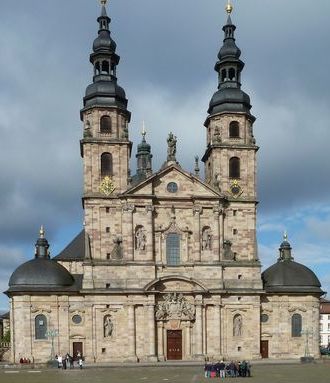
171,147
87,130
207,239
140,239
237,328
107,326
217,138
228,253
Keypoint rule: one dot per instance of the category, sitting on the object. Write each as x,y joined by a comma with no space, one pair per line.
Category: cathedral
166,266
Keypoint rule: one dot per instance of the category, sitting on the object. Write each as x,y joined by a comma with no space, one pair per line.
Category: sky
168,50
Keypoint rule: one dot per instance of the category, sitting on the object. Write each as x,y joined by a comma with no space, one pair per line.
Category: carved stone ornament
175,306
107,187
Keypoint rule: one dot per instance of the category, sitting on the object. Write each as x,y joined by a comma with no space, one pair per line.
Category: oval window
172,187
76,319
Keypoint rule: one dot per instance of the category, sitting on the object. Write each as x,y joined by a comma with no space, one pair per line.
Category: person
80,362
222,367
59,361
248,369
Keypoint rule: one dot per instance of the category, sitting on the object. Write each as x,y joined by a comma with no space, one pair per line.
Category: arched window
231,74
296,325
97,68
234,167
106,165
40,327
173,249
223,75
105,67
234,129
105,124
237,325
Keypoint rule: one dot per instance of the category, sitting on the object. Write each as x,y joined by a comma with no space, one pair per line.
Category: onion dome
287,276
40,273
229,97
104,91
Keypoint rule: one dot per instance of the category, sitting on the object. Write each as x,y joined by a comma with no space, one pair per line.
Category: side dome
40,273
289,276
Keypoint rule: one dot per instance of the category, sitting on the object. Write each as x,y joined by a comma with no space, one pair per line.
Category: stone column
216,237
217,330
160,336
149,234
199,331
152,333
197,210
128,232
222,231
131,334
188,341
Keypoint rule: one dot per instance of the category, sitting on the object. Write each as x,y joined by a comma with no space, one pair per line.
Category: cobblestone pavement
318,373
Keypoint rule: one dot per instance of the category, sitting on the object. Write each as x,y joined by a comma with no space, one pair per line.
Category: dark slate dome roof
289,276
105,92
41,272
229,100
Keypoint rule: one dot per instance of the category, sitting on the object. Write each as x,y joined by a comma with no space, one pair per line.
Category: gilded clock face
235,189
107,187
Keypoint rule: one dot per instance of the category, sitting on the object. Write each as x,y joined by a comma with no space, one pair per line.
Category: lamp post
307,358
52,333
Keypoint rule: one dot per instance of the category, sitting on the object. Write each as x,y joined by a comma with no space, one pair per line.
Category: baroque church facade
167,266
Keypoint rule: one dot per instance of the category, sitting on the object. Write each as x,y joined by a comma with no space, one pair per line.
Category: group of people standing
231,370
67,361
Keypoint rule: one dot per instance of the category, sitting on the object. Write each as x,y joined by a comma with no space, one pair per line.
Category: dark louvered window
105,123
106,165
234,129
234,168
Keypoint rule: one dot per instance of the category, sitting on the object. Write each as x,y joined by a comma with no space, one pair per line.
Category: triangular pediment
188,185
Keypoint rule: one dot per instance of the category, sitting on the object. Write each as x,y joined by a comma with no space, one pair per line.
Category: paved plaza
261,374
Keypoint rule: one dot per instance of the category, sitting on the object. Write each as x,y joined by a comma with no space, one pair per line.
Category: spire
144,157
42,245
229,97
104,91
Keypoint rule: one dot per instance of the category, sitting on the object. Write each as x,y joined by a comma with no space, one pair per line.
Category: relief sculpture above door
175,306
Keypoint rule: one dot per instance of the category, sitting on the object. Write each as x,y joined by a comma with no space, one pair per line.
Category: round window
264,318
172,187
76,319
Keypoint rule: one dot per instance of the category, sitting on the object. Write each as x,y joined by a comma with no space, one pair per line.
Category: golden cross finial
143,132
42,232
229,7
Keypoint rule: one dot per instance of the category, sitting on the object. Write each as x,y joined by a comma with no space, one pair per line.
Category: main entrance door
174,344
77,349
264,349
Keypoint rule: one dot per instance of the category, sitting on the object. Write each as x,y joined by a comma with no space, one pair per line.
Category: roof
287,276
75,250
324,306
